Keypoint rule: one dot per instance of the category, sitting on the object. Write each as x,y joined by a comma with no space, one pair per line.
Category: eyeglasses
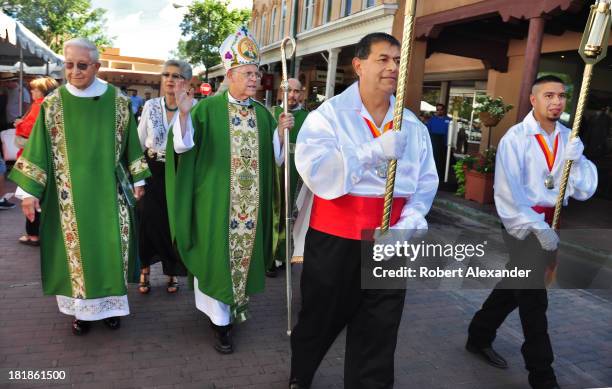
255,75
80,65
175,76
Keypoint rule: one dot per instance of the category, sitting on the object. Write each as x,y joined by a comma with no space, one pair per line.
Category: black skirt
154,241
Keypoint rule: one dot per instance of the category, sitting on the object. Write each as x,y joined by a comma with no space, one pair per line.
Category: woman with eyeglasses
157,117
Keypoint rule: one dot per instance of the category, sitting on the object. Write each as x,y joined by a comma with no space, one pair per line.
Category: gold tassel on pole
398,110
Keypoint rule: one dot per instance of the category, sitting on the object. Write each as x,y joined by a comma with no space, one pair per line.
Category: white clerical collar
97,88
233,100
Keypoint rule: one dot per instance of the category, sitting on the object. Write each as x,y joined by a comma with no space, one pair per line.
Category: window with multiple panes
346,7
327,10
283,20
272,26
307,15
262,33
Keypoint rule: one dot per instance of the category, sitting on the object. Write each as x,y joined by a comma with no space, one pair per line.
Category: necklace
170,109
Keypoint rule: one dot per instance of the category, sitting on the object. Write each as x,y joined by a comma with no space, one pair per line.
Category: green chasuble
219,197
77,150
279,233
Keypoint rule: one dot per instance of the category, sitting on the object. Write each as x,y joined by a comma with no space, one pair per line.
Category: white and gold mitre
238,49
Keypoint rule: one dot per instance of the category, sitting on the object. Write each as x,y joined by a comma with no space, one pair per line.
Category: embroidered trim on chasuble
122,120
138,166
31,171
54,120
244,201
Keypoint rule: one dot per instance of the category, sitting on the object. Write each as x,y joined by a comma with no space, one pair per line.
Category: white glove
390,238
412,224
519,232
392,144
549,240
573,150
406,228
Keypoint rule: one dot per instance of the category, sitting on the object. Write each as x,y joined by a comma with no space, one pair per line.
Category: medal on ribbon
381,170
549,181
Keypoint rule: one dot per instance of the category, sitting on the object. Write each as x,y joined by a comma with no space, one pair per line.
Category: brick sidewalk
166,342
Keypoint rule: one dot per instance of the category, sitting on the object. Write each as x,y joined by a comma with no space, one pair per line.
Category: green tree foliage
206,25
56,21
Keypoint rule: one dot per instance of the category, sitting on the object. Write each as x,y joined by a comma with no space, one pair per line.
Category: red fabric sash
549,213
348,215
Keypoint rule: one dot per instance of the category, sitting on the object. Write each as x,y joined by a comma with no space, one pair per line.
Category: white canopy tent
52,70
426,107
20,47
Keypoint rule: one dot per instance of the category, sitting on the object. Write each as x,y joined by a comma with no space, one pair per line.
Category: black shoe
5,204
489,355
223,343
80,327
113,322
295,384
271,273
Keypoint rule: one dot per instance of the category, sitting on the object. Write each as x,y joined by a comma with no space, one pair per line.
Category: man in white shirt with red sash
342,155
528,170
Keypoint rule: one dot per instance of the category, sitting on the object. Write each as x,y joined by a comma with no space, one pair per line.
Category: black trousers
332,298
438,146
33,227
531,303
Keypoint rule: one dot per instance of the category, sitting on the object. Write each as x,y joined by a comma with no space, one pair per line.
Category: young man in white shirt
528,170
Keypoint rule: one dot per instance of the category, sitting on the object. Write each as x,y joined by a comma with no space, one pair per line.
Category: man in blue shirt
438,132
137,102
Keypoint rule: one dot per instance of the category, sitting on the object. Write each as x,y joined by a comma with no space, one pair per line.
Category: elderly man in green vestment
279,230
78,167
220,188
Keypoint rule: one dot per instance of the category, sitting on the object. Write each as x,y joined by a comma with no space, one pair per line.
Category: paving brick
166,342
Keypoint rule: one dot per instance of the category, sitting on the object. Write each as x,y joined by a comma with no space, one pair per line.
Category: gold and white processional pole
593,48
287,170
398,110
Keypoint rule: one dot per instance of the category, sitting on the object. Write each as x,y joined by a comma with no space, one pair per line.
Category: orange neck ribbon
374,130
550,156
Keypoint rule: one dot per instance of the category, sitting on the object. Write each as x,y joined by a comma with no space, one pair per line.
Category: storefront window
461,97
463,100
